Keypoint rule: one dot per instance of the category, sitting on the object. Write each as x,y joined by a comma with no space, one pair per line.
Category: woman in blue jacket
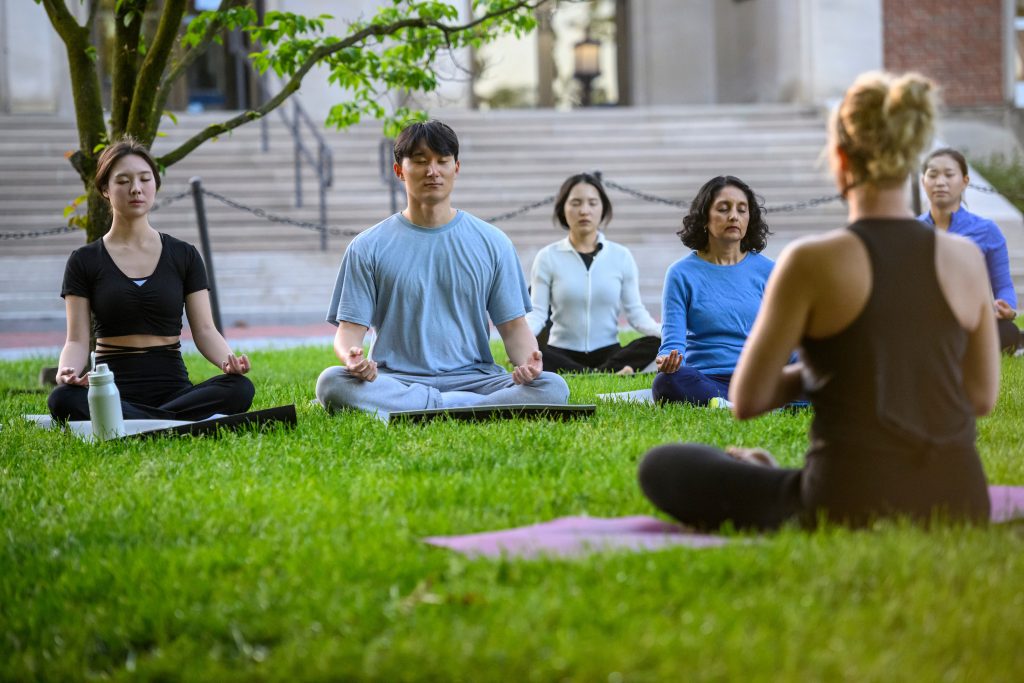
944,179
587,281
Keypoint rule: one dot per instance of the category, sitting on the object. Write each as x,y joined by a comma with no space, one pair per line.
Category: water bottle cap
101,369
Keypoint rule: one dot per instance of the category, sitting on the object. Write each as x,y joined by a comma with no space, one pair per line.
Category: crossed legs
392,391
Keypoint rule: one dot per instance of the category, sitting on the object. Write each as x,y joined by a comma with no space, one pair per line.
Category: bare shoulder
959,254
963,277
958,245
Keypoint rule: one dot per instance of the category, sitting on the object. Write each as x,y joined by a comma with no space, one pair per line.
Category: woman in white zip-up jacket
586,281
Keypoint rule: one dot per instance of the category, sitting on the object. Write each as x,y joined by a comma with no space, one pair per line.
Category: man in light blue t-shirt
427,280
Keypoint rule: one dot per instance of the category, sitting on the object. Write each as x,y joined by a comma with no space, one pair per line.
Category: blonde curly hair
883,124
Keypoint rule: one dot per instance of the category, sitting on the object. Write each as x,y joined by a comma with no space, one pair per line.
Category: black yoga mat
499,412
269,416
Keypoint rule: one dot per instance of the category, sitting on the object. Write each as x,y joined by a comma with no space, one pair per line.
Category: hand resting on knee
754,456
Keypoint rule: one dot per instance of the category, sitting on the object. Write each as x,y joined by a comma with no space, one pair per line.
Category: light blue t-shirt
708,310
428,292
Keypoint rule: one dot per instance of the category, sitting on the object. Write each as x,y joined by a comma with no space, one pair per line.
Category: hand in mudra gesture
670,363
359,366
530,370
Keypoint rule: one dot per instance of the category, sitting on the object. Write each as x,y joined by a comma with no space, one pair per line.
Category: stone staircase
273,272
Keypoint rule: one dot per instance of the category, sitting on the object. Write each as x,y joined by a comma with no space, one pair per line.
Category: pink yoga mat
576,536
573,536
1007,502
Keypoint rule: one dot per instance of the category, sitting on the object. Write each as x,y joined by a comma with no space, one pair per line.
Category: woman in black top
134,283
898,352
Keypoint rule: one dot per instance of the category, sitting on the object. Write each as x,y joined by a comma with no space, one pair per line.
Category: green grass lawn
296,555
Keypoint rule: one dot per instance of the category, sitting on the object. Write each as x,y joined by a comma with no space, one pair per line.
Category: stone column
546,71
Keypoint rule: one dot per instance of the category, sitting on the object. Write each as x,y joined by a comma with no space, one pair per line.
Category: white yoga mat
638,396
83,428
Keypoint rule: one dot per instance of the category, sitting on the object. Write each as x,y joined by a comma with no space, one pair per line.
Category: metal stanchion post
298,157
204,240
323,199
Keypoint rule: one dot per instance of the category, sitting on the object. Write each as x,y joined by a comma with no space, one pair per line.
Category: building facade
653,52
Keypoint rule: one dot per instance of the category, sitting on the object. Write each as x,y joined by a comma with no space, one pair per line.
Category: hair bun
888,121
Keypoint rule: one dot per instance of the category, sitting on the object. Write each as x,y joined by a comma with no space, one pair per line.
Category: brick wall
959,44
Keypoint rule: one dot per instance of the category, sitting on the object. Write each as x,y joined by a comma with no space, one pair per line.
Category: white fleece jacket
585,304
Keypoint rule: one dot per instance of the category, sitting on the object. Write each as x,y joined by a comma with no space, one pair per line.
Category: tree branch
94,5
315,57
152,68
61,19
85,85
125,65
181,66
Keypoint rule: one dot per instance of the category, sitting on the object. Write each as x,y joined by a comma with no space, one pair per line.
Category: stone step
509,159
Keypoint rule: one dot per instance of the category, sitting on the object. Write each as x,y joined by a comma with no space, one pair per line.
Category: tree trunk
99,216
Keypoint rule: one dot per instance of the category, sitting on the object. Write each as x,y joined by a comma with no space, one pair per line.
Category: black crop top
119,306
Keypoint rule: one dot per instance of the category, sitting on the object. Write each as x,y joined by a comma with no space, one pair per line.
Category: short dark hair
946,152
695,234
438,136
125,146
563,196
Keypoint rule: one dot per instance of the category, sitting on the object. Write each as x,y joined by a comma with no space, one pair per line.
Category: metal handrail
322,163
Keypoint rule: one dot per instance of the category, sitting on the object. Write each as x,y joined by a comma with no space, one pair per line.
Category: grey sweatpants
394,391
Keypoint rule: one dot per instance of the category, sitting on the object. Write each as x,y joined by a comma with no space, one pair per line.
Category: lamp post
586,58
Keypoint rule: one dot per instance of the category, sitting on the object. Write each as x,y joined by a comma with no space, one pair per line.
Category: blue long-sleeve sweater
708,310
990,240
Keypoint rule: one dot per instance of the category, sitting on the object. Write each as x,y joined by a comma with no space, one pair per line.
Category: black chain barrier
170,200
550,199
315,227
654,199
64,229
777,208
31,234
515,213
992,190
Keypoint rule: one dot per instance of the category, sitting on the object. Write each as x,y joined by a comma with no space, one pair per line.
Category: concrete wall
840,39
714,51
33,62
674,55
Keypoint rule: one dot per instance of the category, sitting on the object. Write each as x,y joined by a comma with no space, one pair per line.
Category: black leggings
1009,335
155,385
704,487
637,354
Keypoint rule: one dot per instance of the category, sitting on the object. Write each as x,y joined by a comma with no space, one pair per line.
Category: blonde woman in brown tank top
893,432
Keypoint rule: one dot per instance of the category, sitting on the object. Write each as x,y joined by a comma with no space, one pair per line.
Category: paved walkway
48,343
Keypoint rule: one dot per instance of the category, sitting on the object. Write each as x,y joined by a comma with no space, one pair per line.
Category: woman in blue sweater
587,281
944,179
712,296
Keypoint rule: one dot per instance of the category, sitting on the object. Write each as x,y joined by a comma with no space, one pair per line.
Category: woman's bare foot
626,370
755,456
